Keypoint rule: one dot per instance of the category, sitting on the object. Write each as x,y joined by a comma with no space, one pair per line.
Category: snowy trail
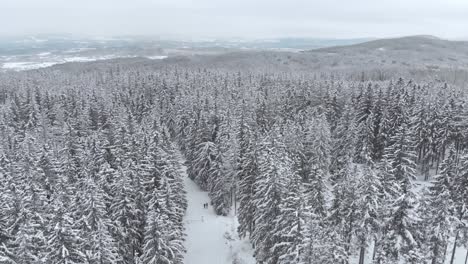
211,239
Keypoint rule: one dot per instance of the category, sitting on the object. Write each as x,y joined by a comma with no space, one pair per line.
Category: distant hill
414,56
406,51
31,52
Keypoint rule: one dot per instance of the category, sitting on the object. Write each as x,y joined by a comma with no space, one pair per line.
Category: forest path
211,239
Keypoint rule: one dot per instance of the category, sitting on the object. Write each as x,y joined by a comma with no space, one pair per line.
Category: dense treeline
326,170
318,170
85,179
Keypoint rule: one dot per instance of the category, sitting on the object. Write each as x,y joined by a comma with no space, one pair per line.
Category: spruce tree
269,188
6,205
402,236
64,243
290,223
247,175
123,213
99,245
369,203
156,248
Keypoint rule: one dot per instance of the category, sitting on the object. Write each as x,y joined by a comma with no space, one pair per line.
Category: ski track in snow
211,239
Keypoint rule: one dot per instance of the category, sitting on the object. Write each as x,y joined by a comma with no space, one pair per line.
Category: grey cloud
237,18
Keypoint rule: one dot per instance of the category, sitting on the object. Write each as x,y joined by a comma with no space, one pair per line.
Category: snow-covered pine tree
401,232
343,213
269,188
369,204
364,140
319,159
6,205
246,174
378,141
290,223
71,158
30,242
48,169
365,103
170,203
333,108
343,143
220,186
99,246
460,199
223,172
156,248
177,194
124,214
438,209
322,243
206,160
175,235
199,142
30,226
421,132
64,245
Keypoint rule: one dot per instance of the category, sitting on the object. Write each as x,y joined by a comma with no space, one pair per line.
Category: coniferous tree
369,204
460,199
401,237
124,215
156,247
319,165
99,246
6,204
439,210
64,242
269,188
344,211
343,144
247,175
290,224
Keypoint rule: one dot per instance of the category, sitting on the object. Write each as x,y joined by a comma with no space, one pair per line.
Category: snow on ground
30,65
420,186
158,57
76,50
22,66
43,54
460,255
211,239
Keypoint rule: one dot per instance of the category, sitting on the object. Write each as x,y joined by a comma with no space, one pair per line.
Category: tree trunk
362,254
452,259
374,251
436,254
445,251
235,200
466,258
348,239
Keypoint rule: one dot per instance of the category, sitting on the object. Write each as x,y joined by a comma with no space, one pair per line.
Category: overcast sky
237,18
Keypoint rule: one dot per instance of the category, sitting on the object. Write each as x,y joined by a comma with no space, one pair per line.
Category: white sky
237,18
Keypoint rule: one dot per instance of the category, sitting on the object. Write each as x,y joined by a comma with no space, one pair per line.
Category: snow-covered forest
317,169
